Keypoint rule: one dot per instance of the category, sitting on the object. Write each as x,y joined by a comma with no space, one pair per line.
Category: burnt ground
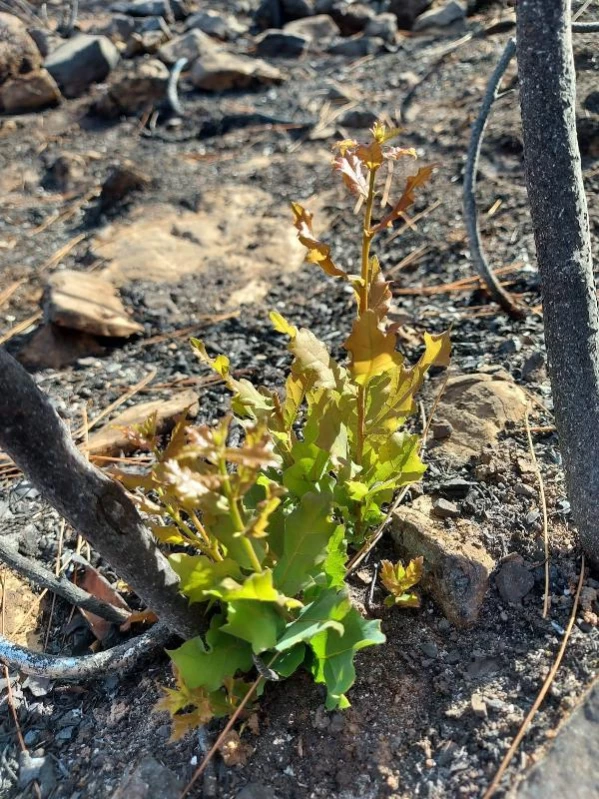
412,729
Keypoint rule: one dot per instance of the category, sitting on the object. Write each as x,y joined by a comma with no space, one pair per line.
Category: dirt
434,710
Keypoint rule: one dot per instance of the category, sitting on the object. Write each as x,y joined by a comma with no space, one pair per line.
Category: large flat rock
570,767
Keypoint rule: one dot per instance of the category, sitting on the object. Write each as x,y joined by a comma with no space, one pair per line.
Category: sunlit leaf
398,581
318,252
281,325
407,198
316,617
351,169
372,351
254,621
198,574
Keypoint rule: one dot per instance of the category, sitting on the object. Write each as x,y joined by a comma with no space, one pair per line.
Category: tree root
60,585
119,659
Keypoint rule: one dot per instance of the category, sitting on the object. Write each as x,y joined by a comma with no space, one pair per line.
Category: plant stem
236,515
367,236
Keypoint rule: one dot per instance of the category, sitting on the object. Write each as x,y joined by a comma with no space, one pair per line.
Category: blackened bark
561,227
97,507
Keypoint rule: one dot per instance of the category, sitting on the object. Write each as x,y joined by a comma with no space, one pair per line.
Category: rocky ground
181,214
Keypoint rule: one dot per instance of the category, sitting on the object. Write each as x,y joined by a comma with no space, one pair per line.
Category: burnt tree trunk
561,228
96,506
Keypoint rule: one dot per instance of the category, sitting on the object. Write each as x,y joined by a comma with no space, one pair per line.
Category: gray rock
81,61
148,779
36,768
384,26
141,86
450,13
514,580
154,8
352,18
190,45
279,44
256,790
406,11
220,71
533,366
429,648
30,92
570,766
297,9
18,51
319,29
445,509
215,25
356,46
358,118
591,102
478,705
39,686
120,28
441,430
42,38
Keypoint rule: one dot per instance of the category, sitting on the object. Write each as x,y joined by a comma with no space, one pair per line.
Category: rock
478,407
319,29
171,10
441,430
191,45
18,51
570,766
148,779
429,648
356,46
52,347
111,439
256,790
478,705
39,686
42,38
215,25
29,92
406,11
88,303
351,19
64,172
591,102
36,768
444,509
383,26
523,490
122,180
141,86
514,580
297,9
533,366
219,71
456,566
278,44
149,37
120,28
81,61
358,118
442,17
456,487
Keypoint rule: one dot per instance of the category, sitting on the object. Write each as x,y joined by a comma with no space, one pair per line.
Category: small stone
445,509
358,118
523,490
514,580
65,734
169,9
35,768
442,17
279,44
441,430
86,302
321,720
353,18
220,71
429,648
148,779
121,181
456,487
256,790
533,366
142,86
190,45
356,46
478,705
120,28
383,26
510,347
319,29
407,11
30,92
215,25
39,686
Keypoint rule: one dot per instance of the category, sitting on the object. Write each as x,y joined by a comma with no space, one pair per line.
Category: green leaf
334,563
289,661
307,531
319,615
258,586
198,574
334,654
208,665
310,463
255,622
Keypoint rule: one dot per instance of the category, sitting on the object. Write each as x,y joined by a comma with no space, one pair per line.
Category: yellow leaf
312,357
281,325
372,351
407,198
398,580
318,252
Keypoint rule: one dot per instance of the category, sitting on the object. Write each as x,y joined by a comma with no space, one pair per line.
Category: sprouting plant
262,527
